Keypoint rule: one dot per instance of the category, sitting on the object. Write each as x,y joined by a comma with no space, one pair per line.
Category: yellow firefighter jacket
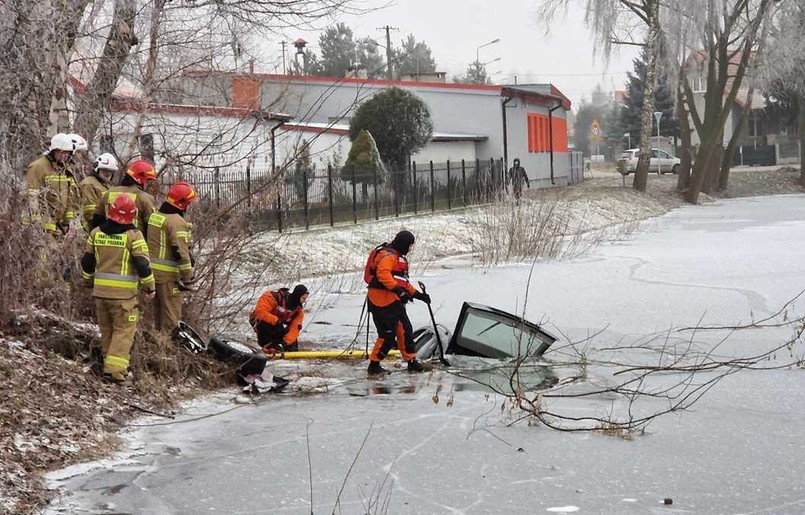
169,241
92,188
53,194
117,264
144,201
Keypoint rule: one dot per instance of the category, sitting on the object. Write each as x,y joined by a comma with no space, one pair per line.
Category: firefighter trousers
167,306
393,329
117,320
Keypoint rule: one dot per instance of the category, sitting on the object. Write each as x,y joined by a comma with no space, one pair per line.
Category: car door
666,160
655,160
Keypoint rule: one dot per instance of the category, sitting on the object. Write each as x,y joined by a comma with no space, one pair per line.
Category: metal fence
304,198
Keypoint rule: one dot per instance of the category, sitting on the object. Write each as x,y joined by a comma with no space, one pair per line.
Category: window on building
147,147
699,83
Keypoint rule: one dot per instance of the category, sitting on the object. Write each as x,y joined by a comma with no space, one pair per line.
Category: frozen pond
437,443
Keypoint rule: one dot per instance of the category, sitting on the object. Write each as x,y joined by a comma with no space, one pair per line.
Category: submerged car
661,161
486,332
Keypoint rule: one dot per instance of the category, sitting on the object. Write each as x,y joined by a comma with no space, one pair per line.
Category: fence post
330,191
416,188
279,211
463,183
249,186
449,194
217,182
305,200
374,178
396,184
432,189
354,197
492,179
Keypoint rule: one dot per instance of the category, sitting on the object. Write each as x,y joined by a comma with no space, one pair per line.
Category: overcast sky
455,28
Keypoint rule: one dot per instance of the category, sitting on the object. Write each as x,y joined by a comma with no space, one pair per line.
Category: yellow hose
326,354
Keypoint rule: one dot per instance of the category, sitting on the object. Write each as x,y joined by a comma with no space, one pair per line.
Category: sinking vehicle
486,332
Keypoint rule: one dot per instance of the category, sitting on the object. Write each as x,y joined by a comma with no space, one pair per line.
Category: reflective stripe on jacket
169,242
115,276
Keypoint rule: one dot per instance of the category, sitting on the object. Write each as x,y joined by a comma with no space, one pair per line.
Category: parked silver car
661,161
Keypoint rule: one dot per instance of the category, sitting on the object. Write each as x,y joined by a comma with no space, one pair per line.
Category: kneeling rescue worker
115,263
386,273
277,318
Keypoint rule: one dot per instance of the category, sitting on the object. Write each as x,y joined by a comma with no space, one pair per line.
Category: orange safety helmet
122,210
181,195
141,171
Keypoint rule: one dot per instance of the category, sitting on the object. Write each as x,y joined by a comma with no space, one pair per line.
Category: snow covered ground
437,443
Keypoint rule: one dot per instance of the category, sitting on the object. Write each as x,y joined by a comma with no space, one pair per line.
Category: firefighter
52,188
389,289
115,264
169,242
93,186
138,174
80,159
277,318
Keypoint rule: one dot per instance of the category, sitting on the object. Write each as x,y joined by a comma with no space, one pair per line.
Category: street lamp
477,50
490,62
658,117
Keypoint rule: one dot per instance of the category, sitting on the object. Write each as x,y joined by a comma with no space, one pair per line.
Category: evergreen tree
363,164
663,101
413,57
369,58
476,74
338,51
398,120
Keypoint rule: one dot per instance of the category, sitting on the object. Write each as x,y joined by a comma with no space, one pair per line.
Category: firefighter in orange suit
116,264
277,318
138,174
52,188
389,290
169,241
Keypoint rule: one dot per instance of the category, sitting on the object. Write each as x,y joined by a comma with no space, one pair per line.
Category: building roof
547,94
135,106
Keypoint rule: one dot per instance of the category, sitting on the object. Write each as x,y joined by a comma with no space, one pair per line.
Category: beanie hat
402,242
294,300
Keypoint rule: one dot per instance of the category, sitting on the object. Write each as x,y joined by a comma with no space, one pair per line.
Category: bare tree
784,66
625,22
715,39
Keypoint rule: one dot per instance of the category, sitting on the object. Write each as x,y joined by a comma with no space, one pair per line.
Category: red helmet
181,195
122,210
141,171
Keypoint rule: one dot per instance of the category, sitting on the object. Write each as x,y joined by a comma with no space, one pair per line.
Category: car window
654,152
664,154
491,333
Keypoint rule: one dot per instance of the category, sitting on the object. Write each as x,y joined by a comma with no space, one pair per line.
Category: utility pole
284,70
389,67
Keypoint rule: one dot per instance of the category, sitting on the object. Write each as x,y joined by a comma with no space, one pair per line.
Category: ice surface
440,444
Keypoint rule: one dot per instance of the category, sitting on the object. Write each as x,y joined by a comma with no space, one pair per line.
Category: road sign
595,129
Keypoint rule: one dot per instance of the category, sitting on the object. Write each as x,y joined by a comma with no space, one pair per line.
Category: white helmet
106,161
61,141
79,143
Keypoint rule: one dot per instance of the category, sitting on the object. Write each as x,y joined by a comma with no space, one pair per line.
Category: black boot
375,369
416,366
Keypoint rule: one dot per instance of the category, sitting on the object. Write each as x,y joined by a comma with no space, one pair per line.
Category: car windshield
492,333
626,155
